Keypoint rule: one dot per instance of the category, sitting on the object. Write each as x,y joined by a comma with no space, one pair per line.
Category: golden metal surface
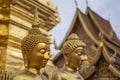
2,58
4,18
48,16
73,52
36,53
36,22
20,15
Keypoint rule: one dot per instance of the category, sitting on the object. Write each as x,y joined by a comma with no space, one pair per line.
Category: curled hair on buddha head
72,43
32,39
34,36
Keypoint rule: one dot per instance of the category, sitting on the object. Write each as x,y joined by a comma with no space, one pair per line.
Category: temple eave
114,70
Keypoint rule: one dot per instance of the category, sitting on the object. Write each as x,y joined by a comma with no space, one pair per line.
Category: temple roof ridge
103,25
76,14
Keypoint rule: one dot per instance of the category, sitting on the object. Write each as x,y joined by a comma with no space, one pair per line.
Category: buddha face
39,56
75,57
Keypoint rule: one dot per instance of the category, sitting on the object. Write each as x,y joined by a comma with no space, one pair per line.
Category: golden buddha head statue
35,48
73,50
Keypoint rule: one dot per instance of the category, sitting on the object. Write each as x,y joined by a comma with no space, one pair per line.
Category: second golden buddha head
72,50
72,43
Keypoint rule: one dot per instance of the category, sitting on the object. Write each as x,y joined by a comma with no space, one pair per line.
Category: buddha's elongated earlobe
25,60
67,63
66,60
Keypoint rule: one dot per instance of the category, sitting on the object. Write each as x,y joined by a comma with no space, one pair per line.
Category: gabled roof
88,27
103,25
86,23
89,22
70,29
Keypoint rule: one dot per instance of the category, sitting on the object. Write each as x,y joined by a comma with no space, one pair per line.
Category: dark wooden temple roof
92,21
87,25
103,25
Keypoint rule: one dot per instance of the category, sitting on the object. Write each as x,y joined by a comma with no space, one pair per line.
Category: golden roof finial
109,16
86,2
76,3
56,47
36,21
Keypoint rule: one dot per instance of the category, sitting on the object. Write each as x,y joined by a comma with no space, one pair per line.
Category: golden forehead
42,45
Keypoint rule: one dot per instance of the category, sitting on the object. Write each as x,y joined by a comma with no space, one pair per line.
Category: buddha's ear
67,61
66,57
25,60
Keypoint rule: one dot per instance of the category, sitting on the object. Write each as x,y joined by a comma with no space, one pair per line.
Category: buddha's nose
46,55
83,57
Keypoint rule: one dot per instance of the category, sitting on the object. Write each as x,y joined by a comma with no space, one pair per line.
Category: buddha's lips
44,61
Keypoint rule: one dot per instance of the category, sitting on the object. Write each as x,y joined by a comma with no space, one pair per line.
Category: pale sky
108,9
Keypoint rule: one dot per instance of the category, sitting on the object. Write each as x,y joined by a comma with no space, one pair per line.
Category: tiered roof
94,25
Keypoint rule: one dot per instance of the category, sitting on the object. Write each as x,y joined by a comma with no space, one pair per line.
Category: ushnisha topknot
32,39
34,36
72,42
